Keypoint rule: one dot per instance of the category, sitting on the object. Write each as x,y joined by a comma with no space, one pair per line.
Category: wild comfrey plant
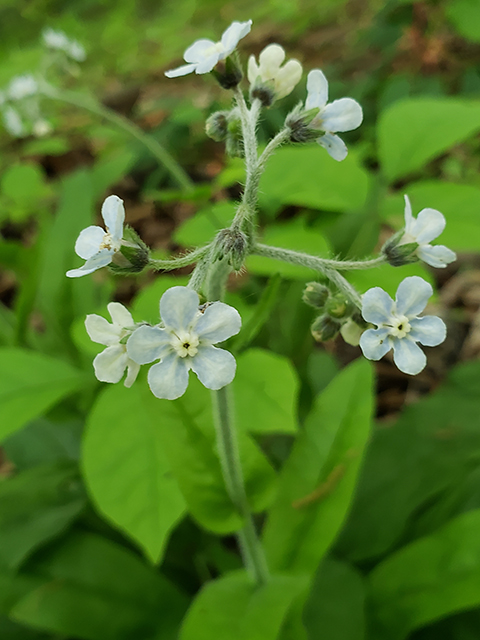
193,319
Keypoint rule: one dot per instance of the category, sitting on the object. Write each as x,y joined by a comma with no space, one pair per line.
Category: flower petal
335,146
287,78
253,70
113,213
235,32
218,322
180,71
111,363
429,330
214,367
169,379
206,65
89,241
147,344
198,50
341,115
179,307
317,89
408,356
377,306
270,60
120,315
408,215
429,225
132,372
375,343
438,256
101,331
412,296
99,260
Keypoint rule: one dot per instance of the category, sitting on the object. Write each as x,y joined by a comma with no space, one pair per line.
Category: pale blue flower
398,325
97,246
203,55
184,342
340,115
427,226
111,363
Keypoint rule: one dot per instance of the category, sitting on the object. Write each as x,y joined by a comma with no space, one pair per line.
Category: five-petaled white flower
186,342
203,55
61,42
95,245
111,363
398,326
283,79
340,115
427,226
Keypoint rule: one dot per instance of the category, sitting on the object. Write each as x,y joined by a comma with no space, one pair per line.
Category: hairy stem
181,261
249,542
155,148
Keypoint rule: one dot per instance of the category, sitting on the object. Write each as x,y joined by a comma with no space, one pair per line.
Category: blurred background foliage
112,502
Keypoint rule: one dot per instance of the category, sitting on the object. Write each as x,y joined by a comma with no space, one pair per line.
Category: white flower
61,42
398,326
110,365
204,54
186,342
95,245
340,115
22,87
283,78
13,122
428,225
41,128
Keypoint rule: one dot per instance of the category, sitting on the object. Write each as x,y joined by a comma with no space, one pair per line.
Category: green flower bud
299,121
228,73
231,244
134,255
315,295
216,126
339,307
398,254
325,328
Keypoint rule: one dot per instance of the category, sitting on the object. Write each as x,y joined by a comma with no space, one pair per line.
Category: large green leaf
30,384
307,176
96,590
204,225
433,449
411,132
465,15
126,469
317,481
266,387
187,432
337,587
233,608
427,580
388,277
35,506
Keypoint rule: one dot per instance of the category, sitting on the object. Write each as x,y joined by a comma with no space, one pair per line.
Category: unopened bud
263,91
398,254
298,122
231,244
216,126
351,332
339,307
325,328
228,73
133,256
234,139
316,295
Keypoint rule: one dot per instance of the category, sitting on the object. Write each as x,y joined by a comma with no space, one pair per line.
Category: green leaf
126,469
189,439
233,608
23,187
317,481
267,384
96,590
146,306
204,225
414,131
388,277
307,176
433,449
295,235
336,588
465,15
35,506
30,384
429,579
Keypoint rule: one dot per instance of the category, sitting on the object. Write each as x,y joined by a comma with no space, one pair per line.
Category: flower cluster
59,41
184,341
20,108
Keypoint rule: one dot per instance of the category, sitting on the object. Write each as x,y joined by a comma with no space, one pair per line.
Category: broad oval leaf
126,469
411,132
